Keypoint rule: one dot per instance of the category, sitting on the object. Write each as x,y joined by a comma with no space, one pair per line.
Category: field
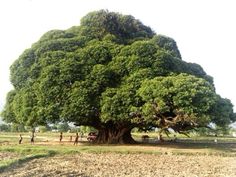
199,156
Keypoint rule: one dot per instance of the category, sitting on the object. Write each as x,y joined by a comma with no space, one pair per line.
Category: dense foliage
112,73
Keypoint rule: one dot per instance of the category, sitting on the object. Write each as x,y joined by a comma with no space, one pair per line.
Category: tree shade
112,73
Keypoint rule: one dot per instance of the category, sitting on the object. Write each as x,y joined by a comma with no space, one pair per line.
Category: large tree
112,73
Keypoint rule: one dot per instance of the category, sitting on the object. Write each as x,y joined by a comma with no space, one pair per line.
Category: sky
205,30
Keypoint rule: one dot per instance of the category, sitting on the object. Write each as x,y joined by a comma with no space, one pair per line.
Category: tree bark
114,135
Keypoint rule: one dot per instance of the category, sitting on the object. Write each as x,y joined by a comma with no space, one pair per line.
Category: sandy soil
130,165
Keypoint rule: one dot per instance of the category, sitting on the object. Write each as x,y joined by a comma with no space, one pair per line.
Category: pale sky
205,30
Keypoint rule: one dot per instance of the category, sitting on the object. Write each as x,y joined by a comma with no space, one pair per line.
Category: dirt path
135,165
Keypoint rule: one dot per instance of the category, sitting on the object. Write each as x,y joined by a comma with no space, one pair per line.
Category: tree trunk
115,136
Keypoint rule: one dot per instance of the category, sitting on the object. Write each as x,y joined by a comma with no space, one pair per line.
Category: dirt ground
8,156
130,165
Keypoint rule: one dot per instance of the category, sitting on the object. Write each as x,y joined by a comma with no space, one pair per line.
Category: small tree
43,129
17,127
63,127
86,129
5,128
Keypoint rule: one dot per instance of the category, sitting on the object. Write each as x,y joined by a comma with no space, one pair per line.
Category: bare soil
130,165
8,156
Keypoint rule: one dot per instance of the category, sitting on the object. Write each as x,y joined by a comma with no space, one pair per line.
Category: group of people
31,139
76,140
77,136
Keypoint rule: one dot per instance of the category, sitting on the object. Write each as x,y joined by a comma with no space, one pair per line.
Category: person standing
161,138
20,140
76,139
61,136
32,138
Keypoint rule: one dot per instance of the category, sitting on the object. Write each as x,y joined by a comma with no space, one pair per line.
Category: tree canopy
112,73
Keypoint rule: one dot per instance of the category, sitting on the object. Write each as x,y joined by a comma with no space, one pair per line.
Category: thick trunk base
115,136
